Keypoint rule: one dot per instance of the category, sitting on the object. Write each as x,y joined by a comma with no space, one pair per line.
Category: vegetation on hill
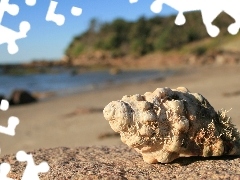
122,38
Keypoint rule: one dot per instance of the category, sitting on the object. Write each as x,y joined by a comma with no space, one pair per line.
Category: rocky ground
120,162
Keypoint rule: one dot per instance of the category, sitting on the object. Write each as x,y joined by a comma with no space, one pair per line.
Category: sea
66,82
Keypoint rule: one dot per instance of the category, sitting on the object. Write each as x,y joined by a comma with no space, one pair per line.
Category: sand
77,120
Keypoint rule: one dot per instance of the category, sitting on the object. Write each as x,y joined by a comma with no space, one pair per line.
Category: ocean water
65,83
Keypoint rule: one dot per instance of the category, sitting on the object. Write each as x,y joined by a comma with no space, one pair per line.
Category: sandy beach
77,120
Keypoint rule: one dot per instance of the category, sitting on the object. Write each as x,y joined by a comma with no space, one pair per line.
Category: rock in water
172,123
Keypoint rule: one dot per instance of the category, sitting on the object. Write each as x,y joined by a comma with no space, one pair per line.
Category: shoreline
64,83
113,84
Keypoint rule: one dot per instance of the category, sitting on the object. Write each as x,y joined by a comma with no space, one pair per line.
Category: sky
47,40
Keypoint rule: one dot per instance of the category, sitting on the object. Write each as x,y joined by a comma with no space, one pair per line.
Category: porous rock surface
121,162
171,123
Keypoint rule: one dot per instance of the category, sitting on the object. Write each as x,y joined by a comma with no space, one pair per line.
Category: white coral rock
170,123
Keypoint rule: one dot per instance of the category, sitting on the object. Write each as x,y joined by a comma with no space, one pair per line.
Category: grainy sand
77,120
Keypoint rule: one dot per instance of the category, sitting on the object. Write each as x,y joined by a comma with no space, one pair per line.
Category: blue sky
46,40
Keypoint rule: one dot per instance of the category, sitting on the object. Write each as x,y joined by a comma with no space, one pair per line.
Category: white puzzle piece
209,10
12,121
7,35
4,170
10,129
59,19
4,105
76,11
133,1
32,170
30,2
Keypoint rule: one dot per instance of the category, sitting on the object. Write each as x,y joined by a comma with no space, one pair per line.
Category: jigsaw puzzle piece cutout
4,170
180,19
208,16
156,6
10,129
32,170
59,19
30,2
12,121
209,12
133,1
9,36
12,9
76,11
4,105
233,28
235,14
180,6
